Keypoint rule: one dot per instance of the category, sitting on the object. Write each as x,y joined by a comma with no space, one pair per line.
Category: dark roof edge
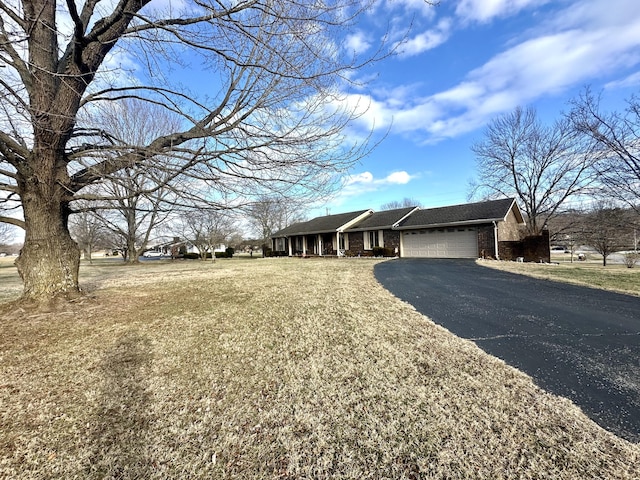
361,214
395,225
354,221
365,229
452,224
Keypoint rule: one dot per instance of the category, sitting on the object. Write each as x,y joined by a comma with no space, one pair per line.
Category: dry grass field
265,369
614,277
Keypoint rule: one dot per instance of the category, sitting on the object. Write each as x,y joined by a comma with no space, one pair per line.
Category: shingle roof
469,213
459,214
380,220
329,223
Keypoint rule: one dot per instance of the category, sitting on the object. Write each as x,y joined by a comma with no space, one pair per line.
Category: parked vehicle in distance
151,254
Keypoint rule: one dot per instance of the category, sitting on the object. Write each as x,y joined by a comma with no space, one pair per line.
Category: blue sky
465,62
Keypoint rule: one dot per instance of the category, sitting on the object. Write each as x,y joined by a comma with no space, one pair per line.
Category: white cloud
485,10
367,179
365,182
357,42
576,46
359,178
427,40
398,178
632,80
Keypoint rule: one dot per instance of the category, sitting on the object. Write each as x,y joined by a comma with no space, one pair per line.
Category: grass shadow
119,432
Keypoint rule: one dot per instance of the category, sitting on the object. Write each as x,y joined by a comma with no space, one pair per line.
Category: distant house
491,229
177,247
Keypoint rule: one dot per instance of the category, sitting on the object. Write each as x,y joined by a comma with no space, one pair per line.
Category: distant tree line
605,227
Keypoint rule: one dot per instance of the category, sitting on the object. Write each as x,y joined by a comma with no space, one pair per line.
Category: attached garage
441,243
471,230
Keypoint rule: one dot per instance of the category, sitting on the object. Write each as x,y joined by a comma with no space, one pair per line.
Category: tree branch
13,221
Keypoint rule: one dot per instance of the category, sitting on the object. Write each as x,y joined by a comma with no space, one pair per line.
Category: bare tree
207,229
88,231
273,115
542,166
134,201
617,136
607,229
404,203
268,214
134,213
568,230
6,233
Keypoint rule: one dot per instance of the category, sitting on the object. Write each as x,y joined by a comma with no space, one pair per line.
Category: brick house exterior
490,229
319,236
377,230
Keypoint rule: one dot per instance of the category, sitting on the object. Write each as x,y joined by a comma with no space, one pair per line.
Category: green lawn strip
281,368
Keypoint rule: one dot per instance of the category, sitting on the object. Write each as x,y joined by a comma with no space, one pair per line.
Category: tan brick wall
509,230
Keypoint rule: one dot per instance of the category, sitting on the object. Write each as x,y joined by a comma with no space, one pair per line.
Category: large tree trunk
133,253
50,260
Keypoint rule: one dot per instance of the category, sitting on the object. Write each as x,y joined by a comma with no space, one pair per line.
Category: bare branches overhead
268,114
542,166
617,139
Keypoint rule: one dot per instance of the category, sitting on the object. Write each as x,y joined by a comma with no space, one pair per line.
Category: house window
280,244
344,241
373,239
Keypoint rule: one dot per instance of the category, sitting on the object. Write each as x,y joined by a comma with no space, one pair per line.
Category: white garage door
440,243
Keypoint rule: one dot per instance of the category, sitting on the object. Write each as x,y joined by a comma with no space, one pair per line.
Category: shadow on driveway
578,342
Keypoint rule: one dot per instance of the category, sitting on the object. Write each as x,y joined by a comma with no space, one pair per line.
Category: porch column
304,245
289,243
338,244
320,244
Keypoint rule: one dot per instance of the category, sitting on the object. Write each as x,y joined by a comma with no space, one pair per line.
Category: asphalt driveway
581,343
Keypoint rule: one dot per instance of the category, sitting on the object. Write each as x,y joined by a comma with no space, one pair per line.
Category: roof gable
406,218
479,212
328,223
381,220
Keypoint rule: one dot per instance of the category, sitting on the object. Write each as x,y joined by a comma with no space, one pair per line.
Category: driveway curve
578,342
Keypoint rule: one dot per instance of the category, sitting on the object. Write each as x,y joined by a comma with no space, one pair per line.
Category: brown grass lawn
266,369
614,277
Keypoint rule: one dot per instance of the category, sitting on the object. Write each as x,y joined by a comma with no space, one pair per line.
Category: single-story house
177,247
319,236
377,231
491,229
